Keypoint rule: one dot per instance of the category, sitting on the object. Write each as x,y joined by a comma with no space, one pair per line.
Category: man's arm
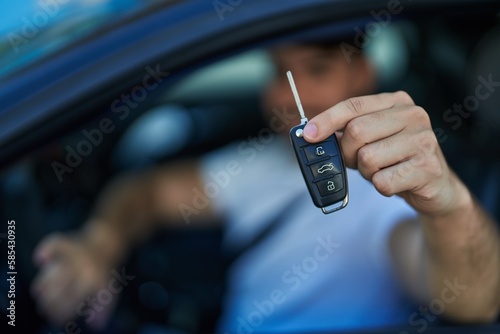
391,142
463,248
454,259
75,266
133,206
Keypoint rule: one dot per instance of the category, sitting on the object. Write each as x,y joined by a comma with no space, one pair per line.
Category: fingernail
310,130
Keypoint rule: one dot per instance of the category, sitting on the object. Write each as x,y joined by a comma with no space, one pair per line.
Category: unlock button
330,186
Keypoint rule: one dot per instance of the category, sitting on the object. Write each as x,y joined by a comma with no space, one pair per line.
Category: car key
322,164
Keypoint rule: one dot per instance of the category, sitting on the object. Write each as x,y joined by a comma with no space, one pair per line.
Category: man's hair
332,44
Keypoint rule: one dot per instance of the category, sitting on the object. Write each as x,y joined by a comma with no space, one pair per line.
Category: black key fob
323,169
322,165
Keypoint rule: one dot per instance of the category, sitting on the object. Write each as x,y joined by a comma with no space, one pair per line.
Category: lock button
320,151
330,186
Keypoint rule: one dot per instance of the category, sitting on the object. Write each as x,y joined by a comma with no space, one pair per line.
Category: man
312,271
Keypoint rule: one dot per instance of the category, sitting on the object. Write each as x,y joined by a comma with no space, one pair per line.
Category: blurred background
205,104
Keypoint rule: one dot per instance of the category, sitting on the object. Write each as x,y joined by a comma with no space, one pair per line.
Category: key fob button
326,168
330,186
320,151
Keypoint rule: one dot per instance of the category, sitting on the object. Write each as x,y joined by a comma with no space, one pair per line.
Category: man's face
323,78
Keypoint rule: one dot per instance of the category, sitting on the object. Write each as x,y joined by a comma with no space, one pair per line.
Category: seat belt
275,223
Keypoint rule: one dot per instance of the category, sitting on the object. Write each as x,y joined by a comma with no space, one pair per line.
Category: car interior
212,103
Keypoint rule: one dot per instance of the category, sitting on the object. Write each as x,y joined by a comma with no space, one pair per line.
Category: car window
237,75
206,108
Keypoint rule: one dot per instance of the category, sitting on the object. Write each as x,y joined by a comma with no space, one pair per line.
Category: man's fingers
337,117
49,248
411,175
50,275
385,153
396,179
58,290
371,128
56,301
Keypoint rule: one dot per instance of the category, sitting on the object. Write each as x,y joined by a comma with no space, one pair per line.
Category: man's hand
391,142
71,270
75,267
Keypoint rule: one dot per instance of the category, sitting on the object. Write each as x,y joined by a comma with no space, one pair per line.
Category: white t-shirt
317,271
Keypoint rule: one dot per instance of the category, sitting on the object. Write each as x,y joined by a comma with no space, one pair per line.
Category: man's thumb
48,249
